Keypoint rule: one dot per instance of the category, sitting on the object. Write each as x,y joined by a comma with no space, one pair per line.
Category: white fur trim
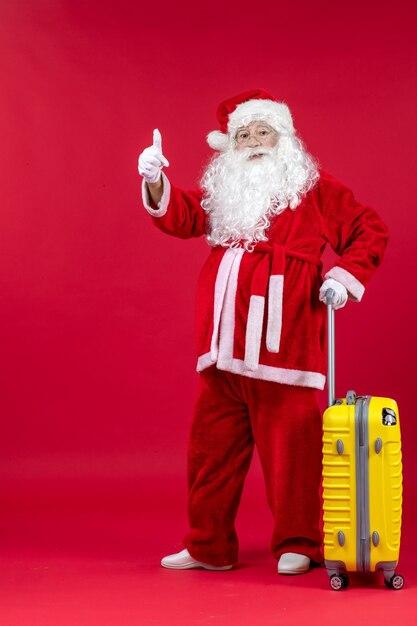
354,287
281,375
219,292
204,361
227,321
163,204
218,140
225,360
277,114
254,331
273,332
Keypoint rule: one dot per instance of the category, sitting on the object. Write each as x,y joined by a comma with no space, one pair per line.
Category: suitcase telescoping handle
331,365
331,397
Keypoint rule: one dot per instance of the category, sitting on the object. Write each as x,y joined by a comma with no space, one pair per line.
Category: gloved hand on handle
340,296
151,161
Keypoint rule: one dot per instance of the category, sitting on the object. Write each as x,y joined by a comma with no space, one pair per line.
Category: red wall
97,357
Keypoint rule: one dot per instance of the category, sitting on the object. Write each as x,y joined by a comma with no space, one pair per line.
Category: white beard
242,193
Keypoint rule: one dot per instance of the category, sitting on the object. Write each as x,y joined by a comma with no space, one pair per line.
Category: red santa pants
232,414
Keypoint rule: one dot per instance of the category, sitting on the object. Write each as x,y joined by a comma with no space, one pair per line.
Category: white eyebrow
260,124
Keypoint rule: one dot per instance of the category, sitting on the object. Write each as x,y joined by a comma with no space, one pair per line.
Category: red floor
93,560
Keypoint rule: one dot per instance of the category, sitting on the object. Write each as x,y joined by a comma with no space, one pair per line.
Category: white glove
340,295
152,160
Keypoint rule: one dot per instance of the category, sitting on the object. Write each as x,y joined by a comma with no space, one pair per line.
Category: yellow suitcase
362,483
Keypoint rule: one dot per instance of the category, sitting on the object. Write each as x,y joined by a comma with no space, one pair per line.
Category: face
255,135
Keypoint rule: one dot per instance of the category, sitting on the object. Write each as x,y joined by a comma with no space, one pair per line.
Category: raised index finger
157,140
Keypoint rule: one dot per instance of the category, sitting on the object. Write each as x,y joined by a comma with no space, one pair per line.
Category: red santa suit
259,316
261,355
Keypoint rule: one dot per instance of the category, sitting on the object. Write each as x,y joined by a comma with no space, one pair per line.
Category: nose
253,142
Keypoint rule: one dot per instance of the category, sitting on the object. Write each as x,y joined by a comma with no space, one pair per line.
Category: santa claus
267,212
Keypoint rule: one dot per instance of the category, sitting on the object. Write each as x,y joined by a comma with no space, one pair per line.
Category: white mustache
260,151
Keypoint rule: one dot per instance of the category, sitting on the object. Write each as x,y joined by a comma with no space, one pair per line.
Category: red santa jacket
258,313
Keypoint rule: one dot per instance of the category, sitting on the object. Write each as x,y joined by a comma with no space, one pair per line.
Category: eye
242,135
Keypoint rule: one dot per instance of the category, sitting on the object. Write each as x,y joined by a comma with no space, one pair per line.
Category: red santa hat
255,104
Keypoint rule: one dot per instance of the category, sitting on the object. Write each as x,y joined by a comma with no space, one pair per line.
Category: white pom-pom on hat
218,141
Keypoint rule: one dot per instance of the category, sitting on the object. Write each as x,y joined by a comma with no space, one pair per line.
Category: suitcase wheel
339,581
395,582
